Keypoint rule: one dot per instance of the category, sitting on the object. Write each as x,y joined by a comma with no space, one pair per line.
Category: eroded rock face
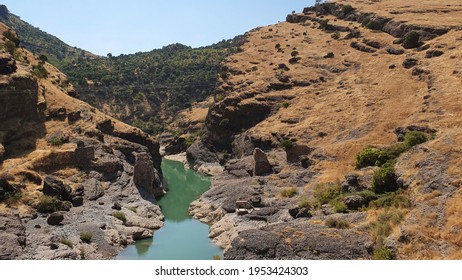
12,236
56,188
146,176
261,164
7,64
307,241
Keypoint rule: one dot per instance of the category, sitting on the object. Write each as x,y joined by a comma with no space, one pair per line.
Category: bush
67,242
289,192
121,216
398,199
337,223
286,144
56,141
383,254
39,71
414,138
324,193
294,53
338,206
347,9
373,25
49,204
86,237
285,104
335,35
304,203
384,179
411,40
371,157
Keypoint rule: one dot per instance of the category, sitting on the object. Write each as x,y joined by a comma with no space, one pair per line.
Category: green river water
181,237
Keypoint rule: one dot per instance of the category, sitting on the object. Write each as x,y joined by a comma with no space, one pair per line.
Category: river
181,237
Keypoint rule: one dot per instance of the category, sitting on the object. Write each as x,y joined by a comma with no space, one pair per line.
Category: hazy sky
116,26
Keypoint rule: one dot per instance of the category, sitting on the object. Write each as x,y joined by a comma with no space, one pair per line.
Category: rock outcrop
60,154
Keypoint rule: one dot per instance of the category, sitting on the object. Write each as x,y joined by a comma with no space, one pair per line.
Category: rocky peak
4,12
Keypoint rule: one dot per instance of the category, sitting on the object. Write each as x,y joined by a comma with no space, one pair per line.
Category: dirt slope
335,82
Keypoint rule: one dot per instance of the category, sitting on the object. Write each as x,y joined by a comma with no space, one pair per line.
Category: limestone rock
7,64
52,186
261,165
146,176
55,218
93,189
353,202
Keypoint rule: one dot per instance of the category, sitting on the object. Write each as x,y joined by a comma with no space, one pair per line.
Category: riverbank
181,237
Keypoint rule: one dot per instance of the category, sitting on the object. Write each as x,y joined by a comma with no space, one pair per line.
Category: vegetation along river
181,237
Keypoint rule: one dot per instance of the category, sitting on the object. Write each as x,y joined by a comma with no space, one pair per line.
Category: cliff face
74,183
315,91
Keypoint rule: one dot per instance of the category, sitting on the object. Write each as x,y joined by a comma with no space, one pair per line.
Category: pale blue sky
116,26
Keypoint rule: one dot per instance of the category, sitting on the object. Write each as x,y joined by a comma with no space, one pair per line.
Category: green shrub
337,223
67,242
286,144
411,40
413,138
338,206
369,196
10,47
383,253
289,192
384,179
39,71
373,25
56,141
49,204
12,199
305,203
285,104
371,157
347,9
399,199
86,237
121,216
294,53
277,46
324,193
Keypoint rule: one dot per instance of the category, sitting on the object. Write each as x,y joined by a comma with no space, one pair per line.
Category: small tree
411,40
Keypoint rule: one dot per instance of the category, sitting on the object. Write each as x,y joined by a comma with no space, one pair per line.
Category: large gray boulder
145,176
261,164
52,186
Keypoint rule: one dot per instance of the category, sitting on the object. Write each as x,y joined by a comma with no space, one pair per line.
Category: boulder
55,218
73,117
145,176
176,146
297,152
261,165
300,213
410,62
7,64
93,189
117,206
52,186
433,53
353,202
106,126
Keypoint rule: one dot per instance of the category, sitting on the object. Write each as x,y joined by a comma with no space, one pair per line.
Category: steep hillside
42,43
314,93
147,88
74,183
144,89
